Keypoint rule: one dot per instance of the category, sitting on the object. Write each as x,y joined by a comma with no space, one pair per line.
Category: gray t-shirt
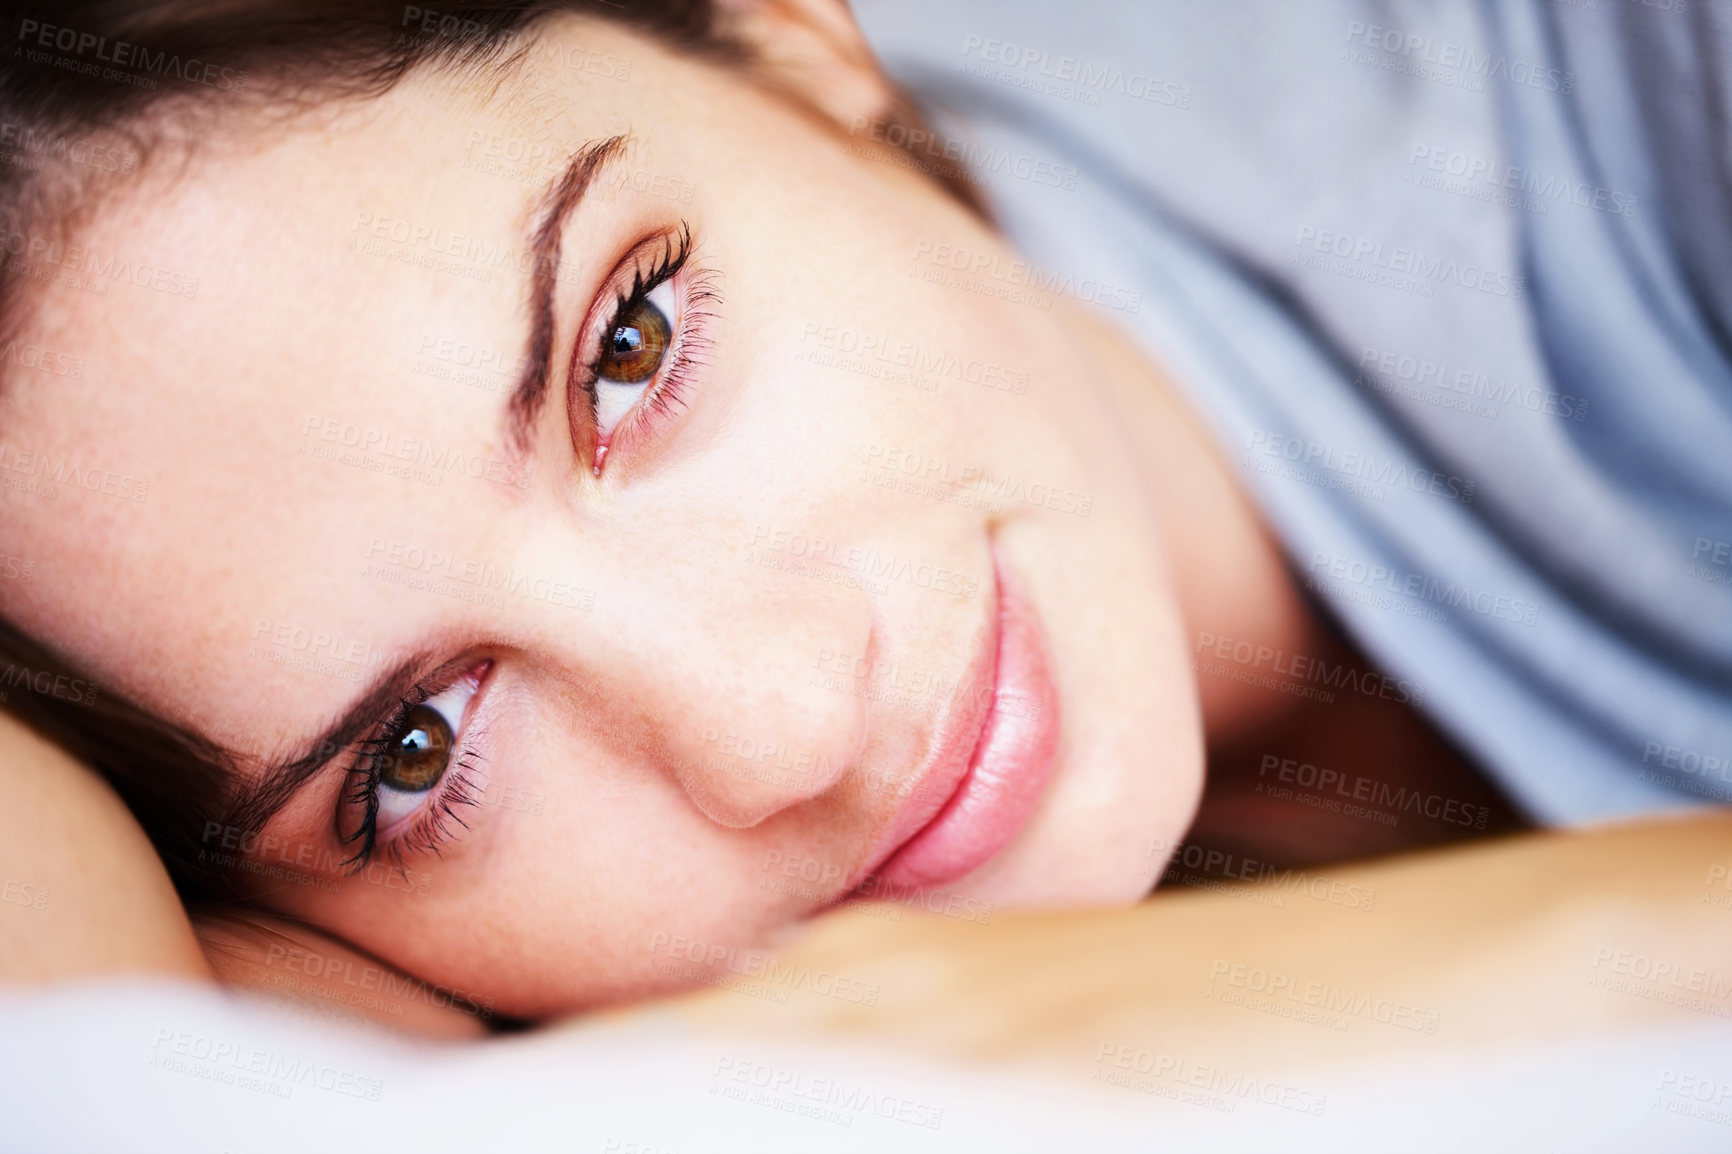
1452,286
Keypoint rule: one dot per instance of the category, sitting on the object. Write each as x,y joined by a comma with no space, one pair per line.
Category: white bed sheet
139,1067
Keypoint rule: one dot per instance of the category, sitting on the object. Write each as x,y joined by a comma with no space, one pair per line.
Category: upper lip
955,737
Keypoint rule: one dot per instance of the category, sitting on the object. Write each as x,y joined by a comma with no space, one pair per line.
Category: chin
1101,838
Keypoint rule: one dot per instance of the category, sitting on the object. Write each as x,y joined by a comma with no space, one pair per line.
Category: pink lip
993,759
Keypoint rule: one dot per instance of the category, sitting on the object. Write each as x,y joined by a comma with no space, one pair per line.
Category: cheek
588,880
924,389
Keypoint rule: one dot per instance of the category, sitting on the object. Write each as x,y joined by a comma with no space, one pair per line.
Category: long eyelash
433,828
676,250
361,789
691,341
691,345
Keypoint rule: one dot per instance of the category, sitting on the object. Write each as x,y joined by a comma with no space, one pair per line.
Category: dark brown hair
86,85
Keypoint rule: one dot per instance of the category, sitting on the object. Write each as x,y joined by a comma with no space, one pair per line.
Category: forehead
270,353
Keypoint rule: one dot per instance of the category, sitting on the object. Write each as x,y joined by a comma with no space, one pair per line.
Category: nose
756,731
724,680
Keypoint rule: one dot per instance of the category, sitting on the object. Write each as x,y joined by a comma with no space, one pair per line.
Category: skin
82,892
615,818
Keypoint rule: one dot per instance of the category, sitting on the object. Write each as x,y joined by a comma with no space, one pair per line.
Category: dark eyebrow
255,804
557,202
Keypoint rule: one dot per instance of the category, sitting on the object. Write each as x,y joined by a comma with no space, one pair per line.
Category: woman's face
810,566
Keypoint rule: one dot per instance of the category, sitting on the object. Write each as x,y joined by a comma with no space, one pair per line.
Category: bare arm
1531,939
81,890
83,894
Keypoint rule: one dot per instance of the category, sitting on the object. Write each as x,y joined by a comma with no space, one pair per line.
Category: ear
813,51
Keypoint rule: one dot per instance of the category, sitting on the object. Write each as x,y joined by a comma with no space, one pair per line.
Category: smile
995,754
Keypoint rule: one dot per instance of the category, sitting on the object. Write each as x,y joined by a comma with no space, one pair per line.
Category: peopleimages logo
892,467
54,470
825,1099
868,563
34,147
926,363
47,683
1393,800
971,268
395,453
760,966
1220,865
221,1060
1171,1076
1380,366
470,579
88,52
1067,77
1539,188
1338,675
965,159
1272,991
1397,266
1359,472
1446,61
87,270
1414,593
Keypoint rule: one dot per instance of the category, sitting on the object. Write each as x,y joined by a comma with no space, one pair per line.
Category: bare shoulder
81,890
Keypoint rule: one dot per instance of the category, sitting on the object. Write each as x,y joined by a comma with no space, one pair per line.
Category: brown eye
634,350
417,754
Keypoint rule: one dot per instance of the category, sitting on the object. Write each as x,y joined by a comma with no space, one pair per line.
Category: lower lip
1010,766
